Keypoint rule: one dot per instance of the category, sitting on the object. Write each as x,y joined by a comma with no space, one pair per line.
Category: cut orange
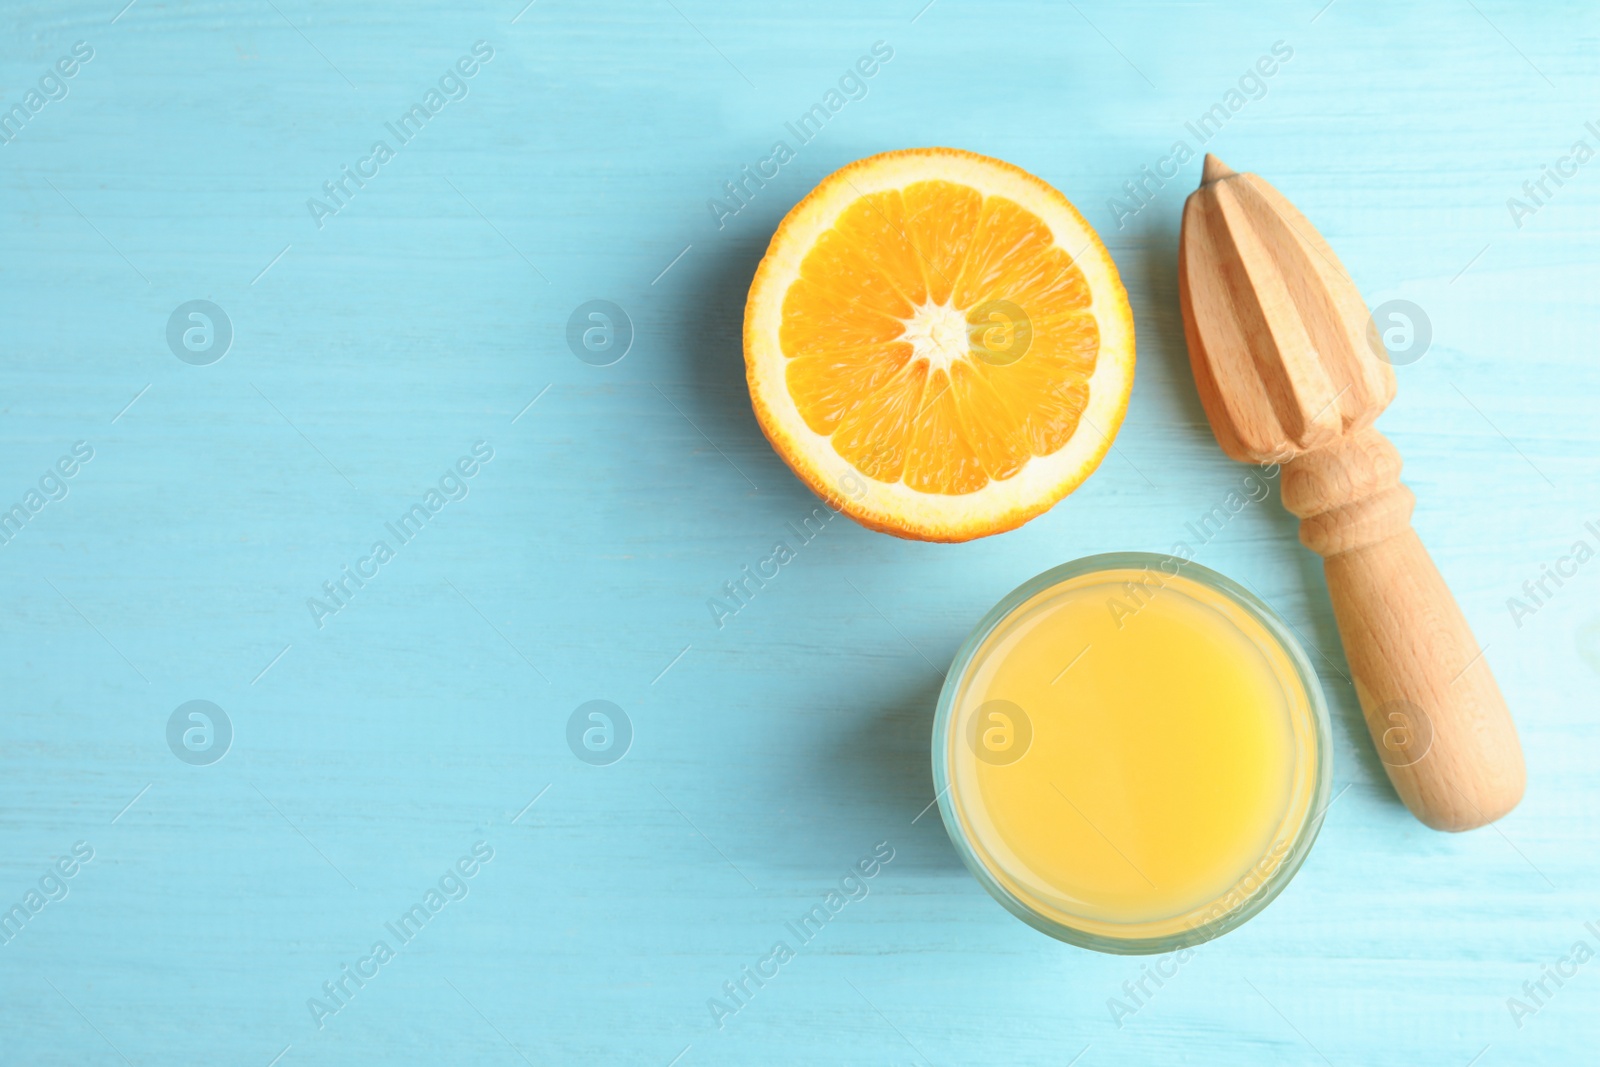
938,344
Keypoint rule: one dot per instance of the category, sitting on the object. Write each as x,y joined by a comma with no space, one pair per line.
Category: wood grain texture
1292,370
371,754
1435,712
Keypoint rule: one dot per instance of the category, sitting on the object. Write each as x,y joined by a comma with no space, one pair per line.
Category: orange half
938,344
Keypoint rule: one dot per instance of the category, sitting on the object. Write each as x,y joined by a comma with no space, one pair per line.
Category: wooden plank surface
372,352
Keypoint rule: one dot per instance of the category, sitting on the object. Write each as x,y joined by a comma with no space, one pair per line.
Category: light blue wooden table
410,733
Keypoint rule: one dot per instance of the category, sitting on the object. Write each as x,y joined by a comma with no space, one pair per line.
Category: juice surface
1126,755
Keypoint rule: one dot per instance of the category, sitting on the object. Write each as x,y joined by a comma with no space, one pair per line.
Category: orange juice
1134,750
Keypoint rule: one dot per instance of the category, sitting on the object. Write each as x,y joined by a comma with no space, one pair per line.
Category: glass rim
1305,835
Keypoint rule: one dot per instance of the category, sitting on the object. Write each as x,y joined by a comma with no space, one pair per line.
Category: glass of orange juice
1132,753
